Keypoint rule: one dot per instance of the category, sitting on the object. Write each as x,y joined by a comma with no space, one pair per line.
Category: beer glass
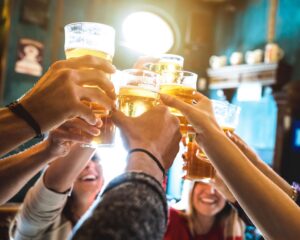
182,84
197,166
89,38
166,63
138,92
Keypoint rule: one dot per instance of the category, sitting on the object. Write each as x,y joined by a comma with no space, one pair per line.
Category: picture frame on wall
29,57
35,12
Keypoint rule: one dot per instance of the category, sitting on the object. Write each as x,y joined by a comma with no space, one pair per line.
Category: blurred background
195,29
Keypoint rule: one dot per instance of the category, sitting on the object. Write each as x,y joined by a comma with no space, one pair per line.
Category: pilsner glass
139,91
89,38
197,166
183,86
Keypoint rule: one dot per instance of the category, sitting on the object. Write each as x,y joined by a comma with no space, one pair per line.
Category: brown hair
191,215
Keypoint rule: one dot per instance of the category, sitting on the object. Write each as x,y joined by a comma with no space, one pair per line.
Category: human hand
157,131
140,63
200,115
73,131
58,95
244,147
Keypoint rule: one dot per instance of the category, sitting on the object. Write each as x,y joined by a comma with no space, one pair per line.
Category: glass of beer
182,84
89,38
197,166
139,91
166,63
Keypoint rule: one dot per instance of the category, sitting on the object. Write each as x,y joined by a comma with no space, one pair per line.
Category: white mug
236,58
273,53
217,61
254,57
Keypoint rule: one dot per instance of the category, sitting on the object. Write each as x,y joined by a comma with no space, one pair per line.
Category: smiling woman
208,216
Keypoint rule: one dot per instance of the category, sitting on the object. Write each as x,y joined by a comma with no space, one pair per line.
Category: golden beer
96,39
134,100
78,52
197,165
185,94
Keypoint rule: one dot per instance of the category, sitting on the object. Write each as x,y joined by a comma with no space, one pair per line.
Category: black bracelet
151,156
21,112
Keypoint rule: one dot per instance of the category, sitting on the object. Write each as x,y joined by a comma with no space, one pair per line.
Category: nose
211,189
89,165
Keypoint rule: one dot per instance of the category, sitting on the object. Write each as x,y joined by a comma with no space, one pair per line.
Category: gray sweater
133,206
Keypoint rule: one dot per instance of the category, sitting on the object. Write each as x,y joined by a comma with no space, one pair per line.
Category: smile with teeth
208,200
89,177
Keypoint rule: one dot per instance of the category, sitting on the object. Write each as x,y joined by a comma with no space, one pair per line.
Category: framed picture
30,56
35,12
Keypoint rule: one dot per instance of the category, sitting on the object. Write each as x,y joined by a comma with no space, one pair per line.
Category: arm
62,83
18,169
61,174
270,209
23,166
45,201
263,167
133,206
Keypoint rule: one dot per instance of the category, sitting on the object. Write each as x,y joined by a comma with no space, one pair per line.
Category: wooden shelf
233,76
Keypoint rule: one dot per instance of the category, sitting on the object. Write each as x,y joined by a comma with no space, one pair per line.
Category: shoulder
176,218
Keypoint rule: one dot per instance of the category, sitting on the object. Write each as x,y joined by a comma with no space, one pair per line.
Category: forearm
40,210
133,206
141,162
13,131
18,169
62,173
274,177
261,199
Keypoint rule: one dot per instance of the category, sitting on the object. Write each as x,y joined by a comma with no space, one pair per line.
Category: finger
144,60
119,118
171,101
83,126
86,114
95,95
198,96
87,61
95,78
62,136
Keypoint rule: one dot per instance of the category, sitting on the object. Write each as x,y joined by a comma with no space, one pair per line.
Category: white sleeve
41,208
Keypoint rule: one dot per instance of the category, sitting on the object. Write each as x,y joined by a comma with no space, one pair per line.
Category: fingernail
228,133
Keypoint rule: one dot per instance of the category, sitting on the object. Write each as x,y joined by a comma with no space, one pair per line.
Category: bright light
113,159
147,33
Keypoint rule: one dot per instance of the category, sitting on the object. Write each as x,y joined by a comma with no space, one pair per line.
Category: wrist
147,146
141,162
209,132
34,108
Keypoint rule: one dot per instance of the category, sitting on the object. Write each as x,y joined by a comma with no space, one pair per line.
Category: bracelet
21,112
151,156
295,191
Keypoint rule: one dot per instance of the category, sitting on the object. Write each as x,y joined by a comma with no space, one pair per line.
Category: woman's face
206,200
90,181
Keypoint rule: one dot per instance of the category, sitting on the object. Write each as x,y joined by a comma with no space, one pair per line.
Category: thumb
87,114
171,101
119,118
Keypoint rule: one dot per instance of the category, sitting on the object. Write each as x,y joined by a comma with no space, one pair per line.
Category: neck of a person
203,224
80,205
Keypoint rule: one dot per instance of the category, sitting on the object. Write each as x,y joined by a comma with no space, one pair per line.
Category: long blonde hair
227,217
